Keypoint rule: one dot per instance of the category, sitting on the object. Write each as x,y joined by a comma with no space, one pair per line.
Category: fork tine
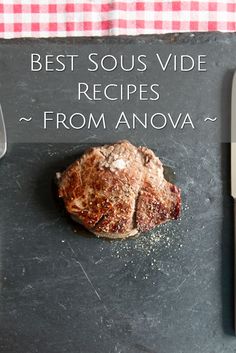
3,135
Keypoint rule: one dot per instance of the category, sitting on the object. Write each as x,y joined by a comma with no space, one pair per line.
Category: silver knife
233,178
3,135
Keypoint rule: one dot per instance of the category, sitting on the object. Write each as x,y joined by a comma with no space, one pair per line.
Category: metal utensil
233,177
3,135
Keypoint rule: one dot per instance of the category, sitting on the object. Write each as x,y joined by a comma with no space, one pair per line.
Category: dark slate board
67,292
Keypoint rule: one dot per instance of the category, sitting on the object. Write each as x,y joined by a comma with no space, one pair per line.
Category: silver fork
3,135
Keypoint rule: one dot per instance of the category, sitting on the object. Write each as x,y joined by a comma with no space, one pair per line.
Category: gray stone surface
63,291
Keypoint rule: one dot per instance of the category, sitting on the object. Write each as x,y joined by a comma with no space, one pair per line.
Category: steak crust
118,190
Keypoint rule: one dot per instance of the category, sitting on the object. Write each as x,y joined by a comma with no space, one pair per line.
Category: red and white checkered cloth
42,18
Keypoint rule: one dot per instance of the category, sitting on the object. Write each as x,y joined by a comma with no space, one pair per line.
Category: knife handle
234,265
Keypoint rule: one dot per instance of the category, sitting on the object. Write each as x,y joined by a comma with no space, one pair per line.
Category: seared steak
119,190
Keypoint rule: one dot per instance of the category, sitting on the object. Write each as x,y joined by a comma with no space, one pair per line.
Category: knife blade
3,135
233,177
